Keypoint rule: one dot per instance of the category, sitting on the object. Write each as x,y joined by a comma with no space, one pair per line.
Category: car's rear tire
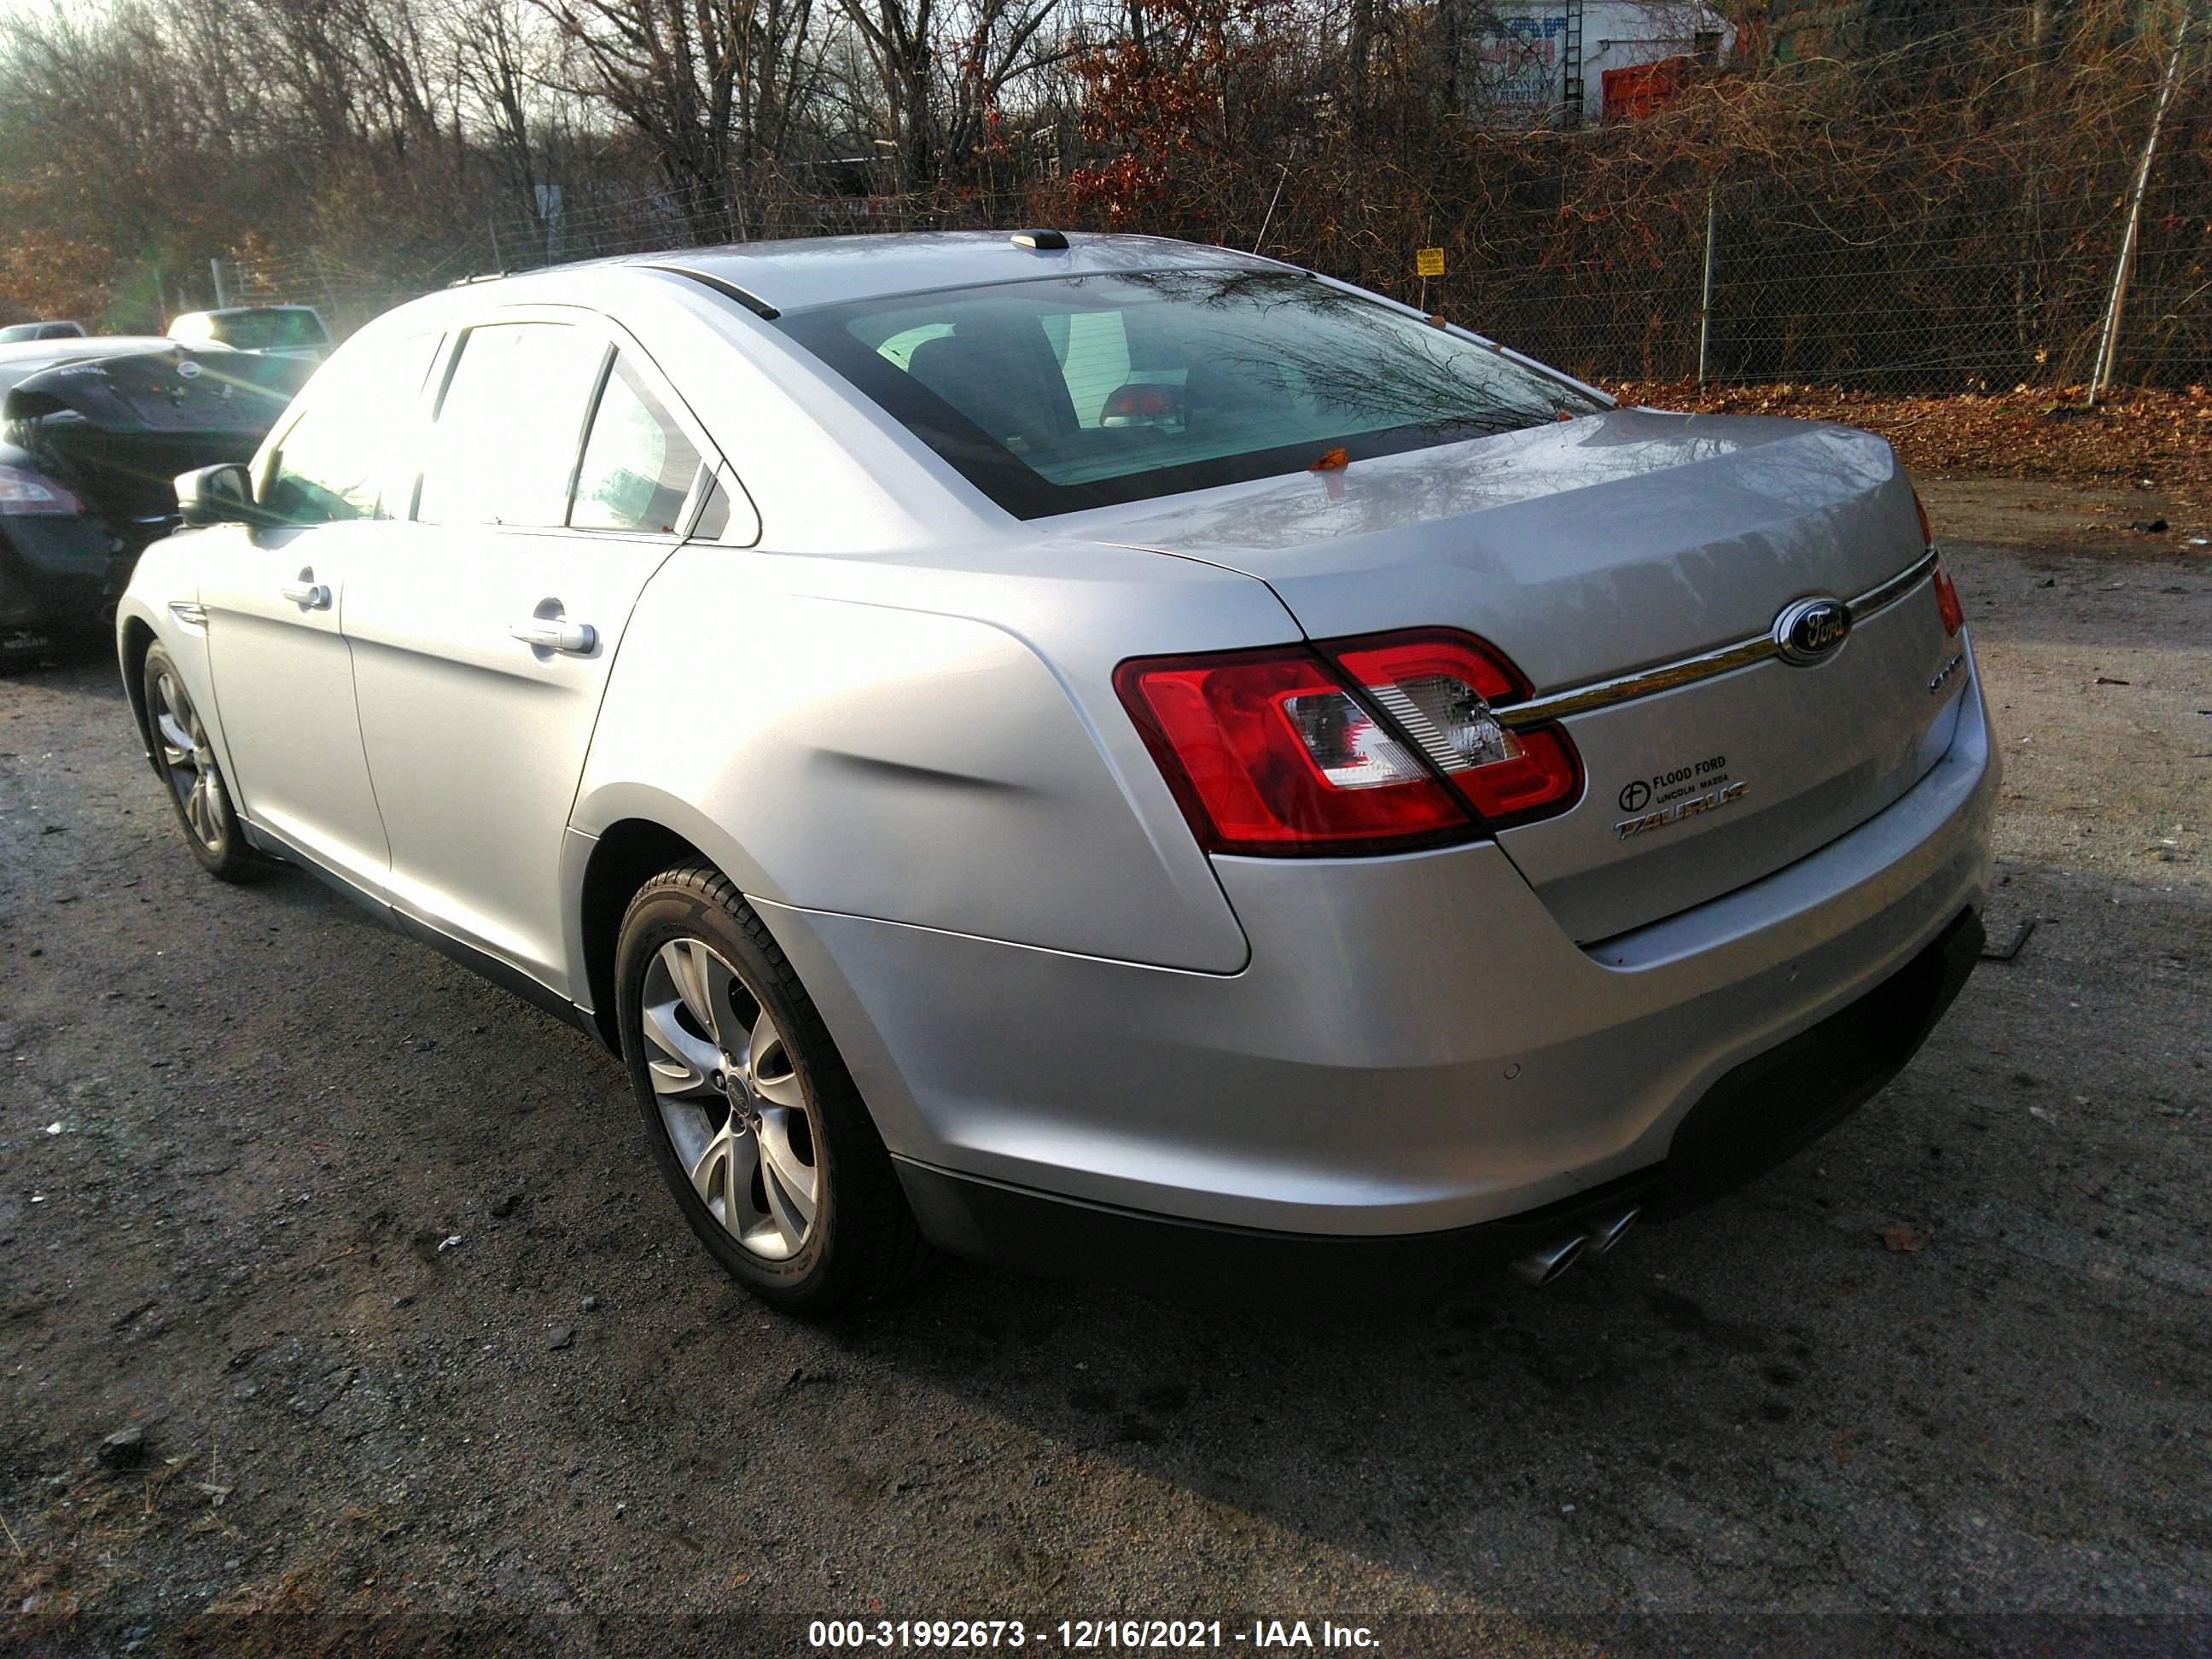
185,761
753,1119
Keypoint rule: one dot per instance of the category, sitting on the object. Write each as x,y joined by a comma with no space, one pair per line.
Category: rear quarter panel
929,740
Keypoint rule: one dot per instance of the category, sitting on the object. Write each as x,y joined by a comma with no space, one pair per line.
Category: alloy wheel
188,763
731,1098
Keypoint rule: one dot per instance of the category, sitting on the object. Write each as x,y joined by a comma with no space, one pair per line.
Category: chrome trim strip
1889,592
1724,660
1666,678
185,612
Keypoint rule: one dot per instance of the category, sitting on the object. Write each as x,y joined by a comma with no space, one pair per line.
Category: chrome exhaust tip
1542,1267
1610,1233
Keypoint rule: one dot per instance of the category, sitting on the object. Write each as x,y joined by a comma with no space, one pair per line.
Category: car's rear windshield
1067,392
275,330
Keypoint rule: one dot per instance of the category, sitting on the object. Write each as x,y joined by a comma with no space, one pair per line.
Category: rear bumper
59,571
1753,1118
1416,1048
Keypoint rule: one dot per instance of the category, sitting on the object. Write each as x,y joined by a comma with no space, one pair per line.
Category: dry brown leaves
2156,441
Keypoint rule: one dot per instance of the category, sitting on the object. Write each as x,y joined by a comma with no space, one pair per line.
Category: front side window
638,465
347,456
503,447
1055,395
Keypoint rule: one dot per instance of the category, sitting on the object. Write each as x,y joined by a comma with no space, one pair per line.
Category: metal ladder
1571,66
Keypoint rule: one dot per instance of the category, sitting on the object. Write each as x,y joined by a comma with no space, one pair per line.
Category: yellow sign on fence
1429,262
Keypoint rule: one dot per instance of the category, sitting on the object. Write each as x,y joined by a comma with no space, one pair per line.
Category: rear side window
349,455
503,448
638,465
1061,393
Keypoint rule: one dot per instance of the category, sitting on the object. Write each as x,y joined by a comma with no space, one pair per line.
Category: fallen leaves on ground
2133,439
1904,1236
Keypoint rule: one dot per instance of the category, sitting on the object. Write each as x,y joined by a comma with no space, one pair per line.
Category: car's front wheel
751,1115
187,764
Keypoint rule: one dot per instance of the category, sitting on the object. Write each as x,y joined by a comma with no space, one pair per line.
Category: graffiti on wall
1520,60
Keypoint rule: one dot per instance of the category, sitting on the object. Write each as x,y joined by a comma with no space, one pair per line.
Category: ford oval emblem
1811,630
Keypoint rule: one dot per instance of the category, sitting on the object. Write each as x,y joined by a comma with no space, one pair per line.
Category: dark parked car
92,434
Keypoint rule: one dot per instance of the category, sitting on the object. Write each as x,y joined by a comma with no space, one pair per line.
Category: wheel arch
627,853
642,832
137,639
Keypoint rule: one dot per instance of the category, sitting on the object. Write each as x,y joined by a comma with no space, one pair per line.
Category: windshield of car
275,330
1055,395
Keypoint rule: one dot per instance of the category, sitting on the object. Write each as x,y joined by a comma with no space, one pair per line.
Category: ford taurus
1095,753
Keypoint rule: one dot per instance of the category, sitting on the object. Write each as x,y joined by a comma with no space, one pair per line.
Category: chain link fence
1991,282
1740,281
349,286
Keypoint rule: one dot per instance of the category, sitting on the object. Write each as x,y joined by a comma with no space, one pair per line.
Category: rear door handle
312,595
575,639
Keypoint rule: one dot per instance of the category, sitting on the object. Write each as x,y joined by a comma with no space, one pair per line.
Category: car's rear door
274,596
557,473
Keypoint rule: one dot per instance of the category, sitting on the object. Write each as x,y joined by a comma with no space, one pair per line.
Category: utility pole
214,269
1705,298
2108,346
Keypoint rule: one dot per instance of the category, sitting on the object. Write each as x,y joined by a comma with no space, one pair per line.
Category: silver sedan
1095,753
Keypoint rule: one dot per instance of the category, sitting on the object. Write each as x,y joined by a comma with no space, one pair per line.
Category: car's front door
274,596
553,483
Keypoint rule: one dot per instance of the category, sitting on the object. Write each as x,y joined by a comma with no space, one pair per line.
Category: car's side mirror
218,494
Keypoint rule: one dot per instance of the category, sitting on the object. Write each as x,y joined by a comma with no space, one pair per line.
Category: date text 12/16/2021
1260,1636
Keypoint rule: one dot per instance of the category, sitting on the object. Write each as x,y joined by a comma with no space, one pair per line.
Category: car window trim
418,414
671,399
498,319
266,464
694,493
618,339
711,474
607,355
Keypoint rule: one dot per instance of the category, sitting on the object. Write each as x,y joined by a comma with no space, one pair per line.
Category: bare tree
709,84
492,55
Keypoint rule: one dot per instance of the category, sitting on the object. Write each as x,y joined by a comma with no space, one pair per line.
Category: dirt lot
373,1255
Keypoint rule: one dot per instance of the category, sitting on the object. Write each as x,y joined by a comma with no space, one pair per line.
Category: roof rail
751,302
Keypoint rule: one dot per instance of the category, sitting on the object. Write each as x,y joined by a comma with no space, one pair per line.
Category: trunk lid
1610,544
117,429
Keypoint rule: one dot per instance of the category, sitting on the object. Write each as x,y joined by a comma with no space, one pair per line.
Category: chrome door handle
552,634
314,595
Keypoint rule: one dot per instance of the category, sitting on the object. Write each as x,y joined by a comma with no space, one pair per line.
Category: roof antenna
1044,242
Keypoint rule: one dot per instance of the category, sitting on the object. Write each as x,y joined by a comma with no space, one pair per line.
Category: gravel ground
372,1258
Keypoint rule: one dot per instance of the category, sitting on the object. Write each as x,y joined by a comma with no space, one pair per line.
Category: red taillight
1947,596
1273,751
1268,753
1947,601
29,495
1440,688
